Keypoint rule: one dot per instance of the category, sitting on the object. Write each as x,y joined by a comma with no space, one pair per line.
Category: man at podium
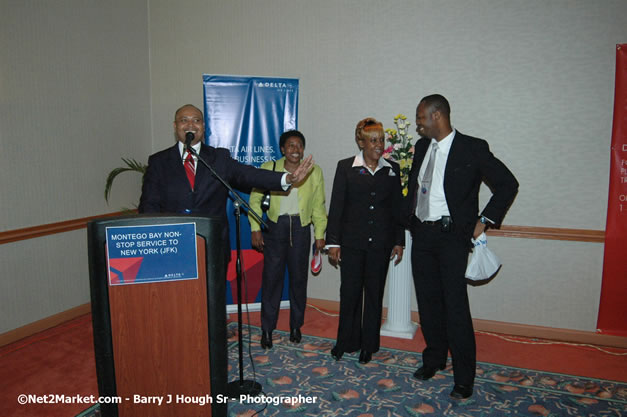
177,182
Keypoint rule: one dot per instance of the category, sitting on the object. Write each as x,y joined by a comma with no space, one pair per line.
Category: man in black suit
443,212
171,187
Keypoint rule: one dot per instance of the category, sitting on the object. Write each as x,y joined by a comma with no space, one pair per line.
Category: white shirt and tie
436,199
184,152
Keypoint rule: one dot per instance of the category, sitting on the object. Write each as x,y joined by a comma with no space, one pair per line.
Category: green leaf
131,165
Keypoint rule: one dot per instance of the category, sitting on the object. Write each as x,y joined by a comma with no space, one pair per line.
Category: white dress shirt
359,162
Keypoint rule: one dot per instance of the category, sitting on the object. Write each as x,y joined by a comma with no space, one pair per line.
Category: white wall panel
75,98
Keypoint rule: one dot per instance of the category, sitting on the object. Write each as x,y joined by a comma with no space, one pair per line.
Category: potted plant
131,165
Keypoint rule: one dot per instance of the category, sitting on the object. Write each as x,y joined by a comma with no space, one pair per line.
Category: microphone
189,137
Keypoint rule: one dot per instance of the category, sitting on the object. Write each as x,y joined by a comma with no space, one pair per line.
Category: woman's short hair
368,128
288,134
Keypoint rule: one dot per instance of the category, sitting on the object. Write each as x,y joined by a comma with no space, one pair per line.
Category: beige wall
534,78
74,97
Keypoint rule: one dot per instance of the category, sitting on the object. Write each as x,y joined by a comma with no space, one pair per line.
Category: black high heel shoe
295,336
266,340
336,353
365,356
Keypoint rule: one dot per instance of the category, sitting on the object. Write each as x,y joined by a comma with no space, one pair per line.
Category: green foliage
131,165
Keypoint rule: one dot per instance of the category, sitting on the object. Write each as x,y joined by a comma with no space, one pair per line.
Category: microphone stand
241,387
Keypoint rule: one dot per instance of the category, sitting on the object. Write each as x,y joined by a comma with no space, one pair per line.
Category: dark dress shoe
461,391
336,353
425,373
266,340
365,356
295,336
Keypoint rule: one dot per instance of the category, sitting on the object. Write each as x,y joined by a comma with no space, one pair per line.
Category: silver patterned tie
422,206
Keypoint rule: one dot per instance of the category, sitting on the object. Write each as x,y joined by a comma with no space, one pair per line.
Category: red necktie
189,169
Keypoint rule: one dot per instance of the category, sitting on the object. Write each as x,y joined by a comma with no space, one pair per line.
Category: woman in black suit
364,233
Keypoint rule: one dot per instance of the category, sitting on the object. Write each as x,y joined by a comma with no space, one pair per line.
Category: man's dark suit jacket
469,163
167,190
365,207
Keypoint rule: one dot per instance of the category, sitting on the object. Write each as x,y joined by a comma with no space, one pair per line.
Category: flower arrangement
401,149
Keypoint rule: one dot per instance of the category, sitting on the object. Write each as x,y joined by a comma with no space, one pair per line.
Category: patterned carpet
304,380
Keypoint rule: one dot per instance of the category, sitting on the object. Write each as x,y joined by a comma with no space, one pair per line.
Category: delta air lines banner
247,115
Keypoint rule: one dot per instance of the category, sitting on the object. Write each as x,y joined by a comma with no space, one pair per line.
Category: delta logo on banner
613,305
247,115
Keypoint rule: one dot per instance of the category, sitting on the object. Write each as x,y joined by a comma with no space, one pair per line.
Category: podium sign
160,343
154,253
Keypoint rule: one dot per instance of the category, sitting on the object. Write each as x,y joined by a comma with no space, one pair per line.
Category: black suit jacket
167,190
469,163
365,210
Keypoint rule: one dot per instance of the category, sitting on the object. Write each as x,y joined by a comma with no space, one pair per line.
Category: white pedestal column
400,291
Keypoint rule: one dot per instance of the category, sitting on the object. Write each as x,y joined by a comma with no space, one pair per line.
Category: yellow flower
405,192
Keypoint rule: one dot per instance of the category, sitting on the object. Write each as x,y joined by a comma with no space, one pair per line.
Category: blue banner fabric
247,115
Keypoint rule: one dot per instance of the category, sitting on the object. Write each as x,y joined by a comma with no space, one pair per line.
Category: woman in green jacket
286,242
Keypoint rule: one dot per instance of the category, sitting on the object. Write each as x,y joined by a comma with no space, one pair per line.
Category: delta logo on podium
152,253
123,270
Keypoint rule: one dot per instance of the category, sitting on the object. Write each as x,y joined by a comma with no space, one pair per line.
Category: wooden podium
161,346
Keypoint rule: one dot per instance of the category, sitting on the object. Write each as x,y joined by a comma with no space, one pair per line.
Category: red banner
613,305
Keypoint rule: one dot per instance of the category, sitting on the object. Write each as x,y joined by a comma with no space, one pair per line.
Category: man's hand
301,172
256,240
335,256
398,252
479,228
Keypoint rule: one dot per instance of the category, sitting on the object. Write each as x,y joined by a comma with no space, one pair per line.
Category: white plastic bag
483,263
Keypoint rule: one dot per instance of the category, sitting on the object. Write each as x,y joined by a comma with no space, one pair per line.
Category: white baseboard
232,308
